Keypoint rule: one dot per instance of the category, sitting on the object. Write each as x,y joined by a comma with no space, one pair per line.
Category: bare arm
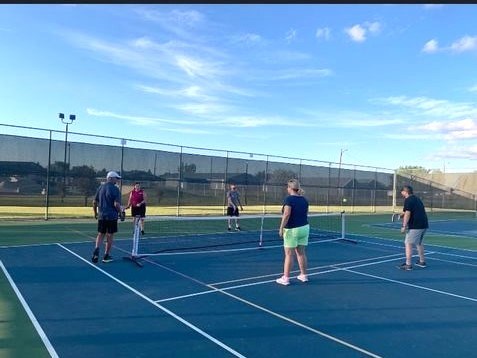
95,209
285,217
405,220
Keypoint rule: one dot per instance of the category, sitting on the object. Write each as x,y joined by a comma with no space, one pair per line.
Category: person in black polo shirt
414,224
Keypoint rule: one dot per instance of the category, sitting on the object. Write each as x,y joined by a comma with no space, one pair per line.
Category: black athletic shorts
107,226
232,212
138,210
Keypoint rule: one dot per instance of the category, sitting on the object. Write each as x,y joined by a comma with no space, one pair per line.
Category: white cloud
181,23
431,46
466,43
455,130
299,73
290,35
248,39
373,27
424,106
473,88
323,33
433,6
455,152
359,32
139,120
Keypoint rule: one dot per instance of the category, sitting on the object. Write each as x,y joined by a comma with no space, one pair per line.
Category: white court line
172,314
409,284
30,314
296,271
261,308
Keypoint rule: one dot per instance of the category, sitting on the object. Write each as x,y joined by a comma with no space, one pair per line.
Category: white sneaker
302,278
283,281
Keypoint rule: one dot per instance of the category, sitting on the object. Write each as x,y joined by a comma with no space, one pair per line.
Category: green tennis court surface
225,302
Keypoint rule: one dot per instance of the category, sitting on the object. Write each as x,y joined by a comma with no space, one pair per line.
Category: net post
343,229
136,235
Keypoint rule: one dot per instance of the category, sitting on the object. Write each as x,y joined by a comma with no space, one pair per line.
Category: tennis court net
191,234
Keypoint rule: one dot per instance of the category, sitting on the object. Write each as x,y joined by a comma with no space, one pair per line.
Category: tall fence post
394,190
47,193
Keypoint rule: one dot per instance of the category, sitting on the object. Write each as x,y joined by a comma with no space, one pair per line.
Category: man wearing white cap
108,201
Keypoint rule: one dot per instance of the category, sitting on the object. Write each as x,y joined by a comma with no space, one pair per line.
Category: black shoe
238,228
405,267
421,264
229,229
142,232
95,255
107,258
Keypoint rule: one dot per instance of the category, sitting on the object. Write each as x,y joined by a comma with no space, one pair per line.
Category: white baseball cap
113,174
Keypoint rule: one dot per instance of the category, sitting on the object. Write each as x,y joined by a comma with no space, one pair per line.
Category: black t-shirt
418,219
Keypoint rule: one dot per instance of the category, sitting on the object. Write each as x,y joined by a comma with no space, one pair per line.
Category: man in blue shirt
108,201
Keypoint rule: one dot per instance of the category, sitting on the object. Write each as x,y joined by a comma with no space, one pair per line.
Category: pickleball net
172,234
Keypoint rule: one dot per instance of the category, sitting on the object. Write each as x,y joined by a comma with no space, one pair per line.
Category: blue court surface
226,303
456,227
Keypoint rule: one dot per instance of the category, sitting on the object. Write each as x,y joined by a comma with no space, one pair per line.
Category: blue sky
390,85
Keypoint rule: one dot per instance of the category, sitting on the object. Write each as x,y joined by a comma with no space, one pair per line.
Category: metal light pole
339,176
67,122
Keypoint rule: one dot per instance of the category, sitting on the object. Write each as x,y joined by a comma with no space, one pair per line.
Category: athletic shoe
283,281
302,278
405,267
95,255
238,228
420,264
107,258
229,229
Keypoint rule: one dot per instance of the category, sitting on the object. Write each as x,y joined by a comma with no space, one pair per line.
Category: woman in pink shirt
137,203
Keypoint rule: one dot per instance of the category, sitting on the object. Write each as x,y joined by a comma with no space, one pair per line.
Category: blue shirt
105,196
233,197
299,211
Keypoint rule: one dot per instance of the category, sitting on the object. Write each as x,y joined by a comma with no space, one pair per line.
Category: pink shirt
137,196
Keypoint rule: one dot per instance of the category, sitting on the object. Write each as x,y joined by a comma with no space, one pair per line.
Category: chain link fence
48,168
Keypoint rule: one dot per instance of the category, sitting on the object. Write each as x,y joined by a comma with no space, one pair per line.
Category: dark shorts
232,212
107,226
141,211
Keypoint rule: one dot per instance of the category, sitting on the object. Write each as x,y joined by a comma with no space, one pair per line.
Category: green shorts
298,236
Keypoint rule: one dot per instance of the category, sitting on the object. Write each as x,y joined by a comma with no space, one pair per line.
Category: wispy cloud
455,152
431,46
466,43
139,120
424,106
359,32
180,23
248,39
290,35
323,33
454,130
433,6
473,88
298,73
